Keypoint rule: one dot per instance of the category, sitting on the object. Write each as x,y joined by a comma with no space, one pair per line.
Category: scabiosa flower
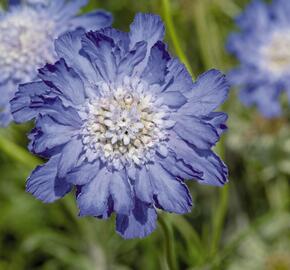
26,40
122,120
262,46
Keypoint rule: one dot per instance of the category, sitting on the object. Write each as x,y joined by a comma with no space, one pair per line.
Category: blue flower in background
26,40
263,49
122,120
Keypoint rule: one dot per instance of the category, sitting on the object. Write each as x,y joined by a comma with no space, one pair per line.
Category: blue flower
122,120
26,40
262,47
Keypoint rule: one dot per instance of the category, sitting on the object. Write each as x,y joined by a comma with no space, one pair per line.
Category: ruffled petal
170,194
69,156
177,78
208,93
84,173
140,223
121,193
196,132
49,134
142,186
213,170
44,184
132,59
65,81
22,104
146,27
156,68
99,48
179,168
173,99
218,121
94,196
121,39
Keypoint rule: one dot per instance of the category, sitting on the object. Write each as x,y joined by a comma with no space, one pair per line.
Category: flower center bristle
124,127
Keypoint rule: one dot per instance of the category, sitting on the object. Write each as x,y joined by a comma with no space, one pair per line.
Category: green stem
172,32
219,219
169,242
17,153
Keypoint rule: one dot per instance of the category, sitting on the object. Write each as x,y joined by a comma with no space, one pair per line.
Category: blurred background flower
262,47
253,210
26,40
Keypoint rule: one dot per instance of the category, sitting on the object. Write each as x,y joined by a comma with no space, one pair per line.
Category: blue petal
44,184
209,92
68,46
49,134
94,196
146,27
84,173
156,68
173,99
121,193
214,171
143,186
196,131
21,104
94,20
133,58
65,81
121,39
99,49
170,194
178,78
180,169
140,223
69,156
55,109
217,120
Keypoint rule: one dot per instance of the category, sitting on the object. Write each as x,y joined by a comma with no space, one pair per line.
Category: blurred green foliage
245,226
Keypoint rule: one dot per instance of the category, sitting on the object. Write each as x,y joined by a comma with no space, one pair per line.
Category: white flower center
125,126
26,43
276,53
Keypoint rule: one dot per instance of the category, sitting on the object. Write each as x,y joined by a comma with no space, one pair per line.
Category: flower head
262,47
26,41
122,120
